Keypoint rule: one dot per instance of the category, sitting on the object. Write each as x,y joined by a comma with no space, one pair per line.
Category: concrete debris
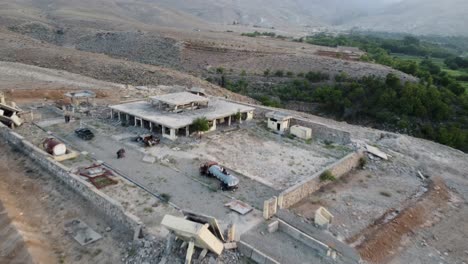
376,152
240,207
81,232
323,217
421,175
149,159
203,254
230,245
193,232
231,233
273,226
204,219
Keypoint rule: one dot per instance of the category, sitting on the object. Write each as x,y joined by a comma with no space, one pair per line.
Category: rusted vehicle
213,169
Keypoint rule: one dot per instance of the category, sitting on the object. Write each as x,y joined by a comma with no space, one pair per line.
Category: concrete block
273,226
230,245
149,159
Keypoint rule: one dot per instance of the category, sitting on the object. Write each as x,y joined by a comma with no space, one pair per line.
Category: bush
362,162
266,72
220,70
279,73
386,194
165,197
327,176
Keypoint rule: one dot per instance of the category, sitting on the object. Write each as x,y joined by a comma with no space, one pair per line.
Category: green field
440,62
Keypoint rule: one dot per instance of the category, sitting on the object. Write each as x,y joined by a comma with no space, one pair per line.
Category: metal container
54,147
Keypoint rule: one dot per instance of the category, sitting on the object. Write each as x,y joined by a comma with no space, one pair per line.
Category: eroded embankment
382,240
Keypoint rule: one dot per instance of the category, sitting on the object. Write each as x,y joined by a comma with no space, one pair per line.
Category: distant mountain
447,17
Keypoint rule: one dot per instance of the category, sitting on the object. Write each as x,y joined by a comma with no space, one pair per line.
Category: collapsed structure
9,114
173,114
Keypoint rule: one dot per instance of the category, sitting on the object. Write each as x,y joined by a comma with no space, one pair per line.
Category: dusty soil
280,162
384,238
38,206
357,199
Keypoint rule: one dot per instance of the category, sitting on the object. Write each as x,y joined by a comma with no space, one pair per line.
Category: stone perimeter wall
98,199
296,193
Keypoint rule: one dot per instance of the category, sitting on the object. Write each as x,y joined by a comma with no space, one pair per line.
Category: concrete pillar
134,119
213,128
151,126
229,120
187,131
173,133
250,115
163,130
119,116
141,122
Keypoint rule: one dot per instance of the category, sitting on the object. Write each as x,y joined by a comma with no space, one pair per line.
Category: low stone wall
298,235
296,193
251,252
323,132
98,199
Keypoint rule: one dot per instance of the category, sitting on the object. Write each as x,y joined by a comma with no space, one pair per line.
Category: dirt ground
38,207
280,162
384,238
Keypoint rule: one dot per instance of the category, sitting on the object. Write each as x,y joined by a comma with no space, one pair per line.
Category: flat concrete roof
216,109
278,115
182,98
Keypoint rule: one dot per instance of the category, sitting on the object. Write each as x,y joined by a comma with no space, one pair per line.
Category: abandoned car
84,133
212,169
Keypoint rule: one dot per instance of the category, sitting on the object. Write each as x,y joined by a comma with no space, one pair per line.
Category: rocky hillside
412,16
19,48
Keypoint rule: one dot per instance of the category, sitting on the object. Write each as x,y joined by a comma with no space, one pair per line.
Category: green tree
200,125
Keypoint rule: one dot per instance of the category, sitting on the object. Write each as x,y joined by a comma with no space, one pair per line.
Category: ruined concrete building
173,114
9,114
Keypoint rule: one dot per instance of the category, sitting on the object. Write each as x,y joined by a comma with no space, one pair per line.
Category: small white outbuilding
278,122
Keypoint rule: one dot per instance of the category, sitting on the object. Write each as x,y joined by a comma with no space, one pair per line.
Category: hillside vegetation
434,108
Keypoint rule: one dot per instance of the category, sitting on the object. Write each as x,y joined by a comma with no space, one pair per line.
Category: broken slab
376,152
149,159
193,232
240,207
81,232
230,245
204,219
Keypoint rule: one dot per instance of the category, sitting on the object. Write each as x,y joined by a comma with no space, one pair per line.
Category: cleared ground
275,160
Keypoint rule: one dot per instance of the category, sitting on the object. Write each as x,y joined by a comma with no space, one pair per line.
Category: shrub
327,176
386,194
220,70
266,72
279,73
362,162
165,197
